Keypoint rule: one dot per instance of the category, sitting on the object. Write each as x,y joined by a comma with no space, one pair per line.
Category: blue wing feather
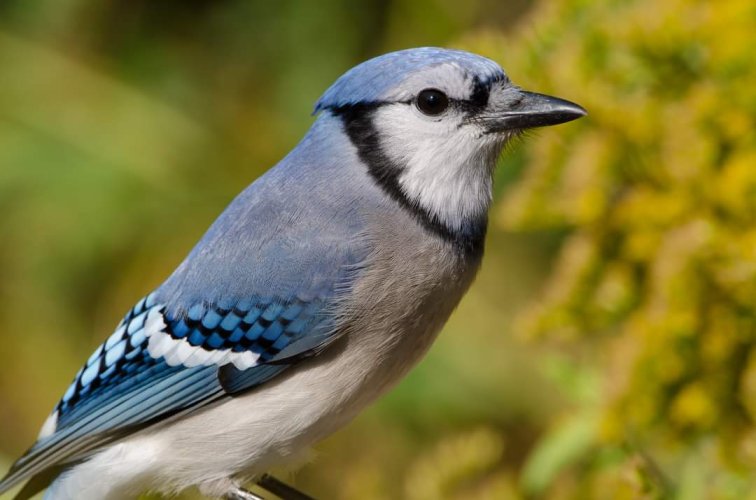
123,364
261,284
122,387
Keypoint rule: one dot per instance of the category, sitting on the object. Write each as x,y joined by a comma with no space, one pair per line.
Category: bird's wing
159,364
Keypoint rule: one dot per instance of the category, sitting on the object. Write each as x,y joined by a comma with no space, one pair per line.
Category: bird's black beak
531,110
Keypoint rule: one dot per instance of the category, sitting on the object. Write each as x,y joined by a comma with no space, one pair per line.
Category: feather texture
157,364
315,291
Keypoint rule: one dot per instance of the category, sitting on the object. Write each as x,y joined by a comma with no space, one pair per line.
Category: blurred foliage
655,286
127,126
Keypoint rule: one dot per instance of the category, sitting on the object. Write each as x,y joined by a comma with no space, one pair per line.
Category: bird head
429,124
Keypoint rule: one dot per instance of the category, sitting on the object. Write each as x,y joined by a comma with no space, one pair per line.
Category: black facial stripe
358,123
478,99
480,93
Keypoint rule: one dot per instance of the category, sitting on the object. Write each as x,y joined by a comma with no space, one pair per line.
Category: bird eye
432,102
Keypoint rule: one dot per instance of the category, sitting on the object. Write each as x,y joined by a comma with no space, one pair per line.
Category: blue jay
313,293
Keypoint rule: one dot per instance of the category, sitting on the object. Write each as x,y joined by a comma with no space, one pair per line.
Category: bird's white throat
447,168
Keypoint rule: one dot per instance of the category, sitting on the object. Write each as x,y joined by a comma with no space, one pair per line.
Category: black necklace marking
358,123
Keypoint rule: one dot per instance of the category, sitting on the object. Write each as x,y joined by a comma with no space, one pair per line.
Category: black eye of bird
432,102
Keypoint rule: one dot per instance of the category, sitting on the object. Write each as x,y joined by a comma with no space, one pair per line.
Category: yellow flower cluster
657,186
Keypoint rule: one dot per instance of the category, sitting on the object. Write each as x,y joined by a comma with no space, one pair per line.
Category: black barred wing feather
159,363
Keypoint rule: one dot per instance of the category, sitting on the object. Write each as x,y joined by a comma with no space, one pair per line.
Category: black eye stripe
480,93
478,100
463,105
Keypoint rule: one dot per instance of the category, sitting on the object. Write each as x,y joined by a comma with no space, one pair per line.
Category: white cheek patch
179,352
446,166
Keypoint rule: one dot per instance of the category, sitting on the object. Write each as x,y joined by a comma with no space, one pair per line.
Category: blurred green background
608,347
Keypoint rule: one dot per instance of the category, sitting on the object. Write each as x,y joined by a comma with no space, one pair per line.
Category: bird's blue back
293,232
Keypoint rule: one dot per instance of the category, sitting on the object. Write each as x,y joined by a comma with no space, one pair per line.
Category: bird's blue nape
371,81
